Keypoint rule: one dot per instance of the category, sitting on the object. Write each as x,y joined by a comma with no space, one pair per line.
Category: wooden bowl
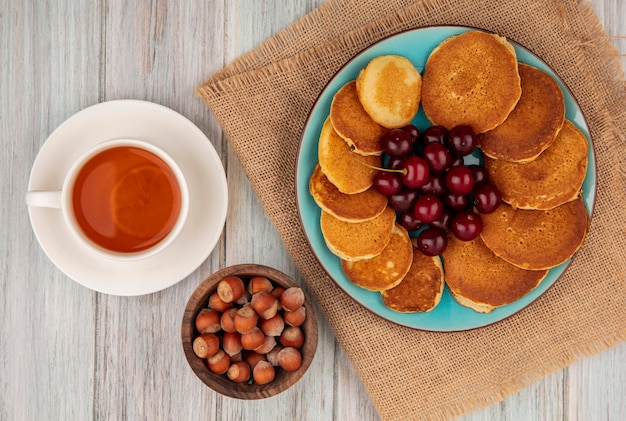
220,382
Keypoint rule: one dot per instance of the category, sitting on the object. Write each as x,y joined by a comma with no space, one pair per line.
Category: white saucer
185,143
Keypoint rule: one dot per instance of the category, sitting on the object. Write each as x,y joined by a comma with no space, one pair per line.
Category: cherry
387,183
434,134
459,179
444,220
479,173
397,142
462,140
456,160
403,200
409,221
412,131
466,225
456,202
395,162
437,156
428,208
432,241
416,172
487,198
436,185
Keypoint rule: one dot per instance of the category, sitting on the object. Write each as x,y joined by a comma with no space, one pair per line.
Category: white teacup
114,216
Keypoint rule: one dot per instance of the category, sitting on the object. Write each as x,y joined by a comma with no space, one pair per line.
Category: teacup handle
44,199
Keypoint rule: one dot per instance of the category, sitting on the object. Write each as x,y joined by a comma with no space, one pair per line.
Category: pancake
422,287
389,89
482,281
536,239
341,166
356,207
533,124
385,270
555,177
471,79
354,124
358,240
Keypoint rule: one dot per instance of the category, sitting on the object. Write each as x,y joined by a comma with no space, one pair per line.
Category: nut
268,345
291,336
258,284
239,372
216,303
296,317
208,321
253,339
206,345
265,304
245,319
253,358
231,343
263,372
292,298
272,356
219,362
290,359
227,321
273,326
230,289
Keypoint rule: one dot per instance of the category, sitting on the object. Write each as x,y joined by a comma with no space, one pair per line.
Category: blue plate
448,316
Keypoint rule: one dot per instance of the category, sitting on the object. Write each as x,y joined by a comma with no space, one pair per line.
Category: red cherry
397,142
466,225
428,208
409,221
487,197
412,131
416,172
459,179
403,200
434,134
437,157
462,140
387,183
432,241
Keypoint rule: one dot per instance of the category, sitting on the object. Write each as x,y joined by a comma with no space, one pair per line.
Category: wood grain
68,353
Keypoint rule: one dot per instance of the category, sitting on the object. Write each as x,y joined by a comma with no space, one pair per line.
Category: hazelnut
244,299
245,319
263,372
265,304
291,336
208,321
268,345
227,321
296,317
237,357
253,339
276,292
258,284
272,356
216,303
230,289
273,326
206,345
219,362
290,359
239,372
253,358
231,343
292,298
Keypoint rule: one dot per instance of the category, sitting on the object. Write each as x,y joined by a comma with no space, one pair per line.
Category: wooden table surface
68,353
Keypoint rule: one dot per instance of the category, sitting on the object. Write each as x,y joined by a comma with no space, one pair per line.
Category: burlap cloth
262,100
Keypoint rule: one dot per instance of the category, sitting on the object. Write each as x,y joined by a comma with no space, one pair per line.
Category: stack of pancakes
376,253
535,157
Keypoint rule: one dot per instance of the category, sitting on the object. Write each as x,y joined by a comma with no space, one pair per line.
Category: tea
126,199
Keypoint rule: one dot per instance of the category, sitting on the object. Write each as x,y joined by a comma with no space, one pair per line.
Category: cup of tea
124,198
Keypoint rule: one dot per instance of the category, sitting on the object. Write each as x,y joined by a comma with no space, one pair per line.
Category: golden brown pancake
533,124
471,79
482,281
385,270
358,240
536,239
422,287
389,89
342,167
555,177
356,207
354,124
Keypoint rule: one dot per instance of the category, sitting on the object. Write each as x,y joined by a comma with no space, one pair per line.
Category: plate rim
458,30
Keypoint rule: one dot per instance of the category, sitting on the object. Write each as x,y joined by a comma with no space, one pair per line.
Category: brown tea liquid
126,199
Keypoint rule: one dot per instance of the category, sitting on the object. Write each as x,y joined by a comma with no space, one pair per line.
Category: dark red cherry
436,185
409,221
432,241
395,162
461,140
444,220
479,173
459,179
456,202
403,200
487,197
412,131
434,134
456,160
466,225
397,142
416,173
428,208
387,183
437,156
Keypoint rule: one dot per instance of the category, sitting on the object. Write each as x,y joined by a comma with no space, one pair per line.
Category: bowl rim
222,384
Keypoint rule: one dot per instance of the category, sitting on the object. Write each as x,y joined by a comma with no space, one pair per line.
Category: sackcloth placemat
262,99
